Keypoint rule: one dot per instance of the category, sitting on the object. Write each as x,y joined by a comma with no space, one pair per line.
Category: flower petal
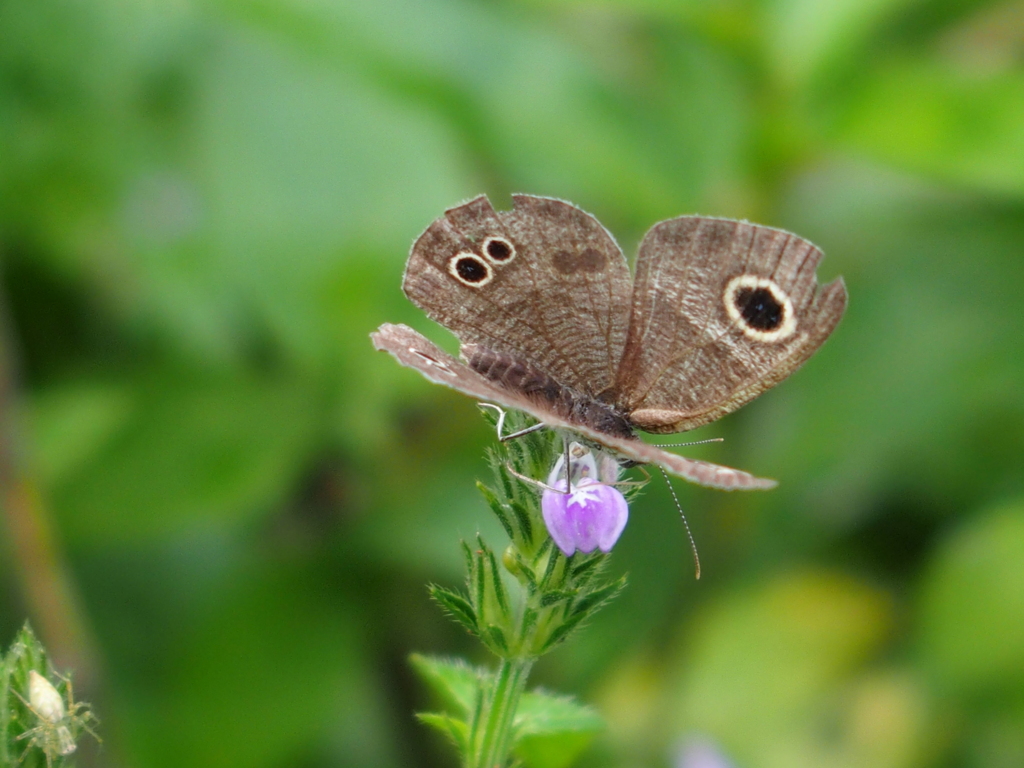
592,515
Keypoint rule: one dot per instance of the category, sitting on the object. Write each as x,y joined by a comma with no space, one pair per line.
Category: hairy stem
492,744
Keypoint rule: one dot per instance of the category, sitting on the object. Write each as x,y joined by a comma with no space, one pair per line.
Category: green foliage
206,207
972,623
549,731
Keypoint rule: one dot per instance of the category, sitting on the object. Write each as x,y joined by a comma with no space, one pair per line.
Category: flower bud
508,559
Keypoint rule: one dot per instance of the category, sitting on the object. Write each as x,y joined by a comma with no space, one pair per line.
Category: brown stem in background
52,600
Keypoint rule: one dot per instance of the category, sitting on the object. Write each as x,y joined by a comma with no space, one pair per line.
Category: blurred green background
206,206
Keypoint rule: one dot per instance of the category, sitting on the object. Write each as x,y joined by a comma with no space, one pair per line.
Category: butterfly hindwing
722,310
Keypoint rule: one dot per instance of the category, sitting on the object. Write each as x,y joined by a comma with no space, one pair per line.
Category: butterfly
552,323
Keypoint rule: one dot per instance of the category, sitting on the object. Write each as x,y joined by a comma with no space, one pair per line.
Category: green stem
494,742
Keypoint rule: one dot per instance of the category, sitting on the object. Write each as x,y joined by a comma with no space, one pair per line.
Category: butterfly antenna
695,442
689,534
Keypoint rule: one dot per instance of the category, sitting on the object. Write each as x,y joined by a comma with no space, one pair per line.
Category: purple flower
591,515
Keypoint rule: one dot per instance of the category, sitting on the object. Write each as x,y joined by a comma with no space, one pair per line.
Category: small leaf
478,583
479,695
529,621
553,561
453,680
594,600
503,476
497,638
497,508
467,553
455,605
541,712
500,594
523,518
557,596
543,549
587,566
455,729
553,730
526,572
555,751
561,632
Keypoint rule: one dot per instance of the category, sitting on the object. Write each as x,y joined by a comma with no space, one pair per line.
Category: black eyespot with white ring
498,250
761,309
469,269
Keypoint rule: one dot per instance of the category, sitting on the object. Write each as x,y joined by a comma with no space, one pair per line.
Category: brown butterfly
551,322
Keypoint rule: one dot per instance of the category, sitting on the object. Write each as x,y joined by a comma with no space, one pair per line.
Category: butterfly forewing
544,282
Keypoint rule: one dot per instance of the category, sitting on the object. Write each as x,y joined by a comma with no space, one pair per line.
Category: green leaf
455,729
554,560
561,632
470,560
556,751
587,566
456,606
525,571
504,477
553,730
541,712
551,598
594,600
523,518
478,584
453,680
497,507
497,640
529,621
542,550
500,593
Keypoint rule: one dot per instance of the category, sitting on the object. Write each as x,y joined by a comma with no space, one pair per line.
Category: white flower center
583,496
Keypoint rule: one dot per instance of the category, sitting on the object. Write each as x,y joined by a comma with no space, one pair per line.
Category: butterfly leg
568,466
501,424
633,483
522,432
531,481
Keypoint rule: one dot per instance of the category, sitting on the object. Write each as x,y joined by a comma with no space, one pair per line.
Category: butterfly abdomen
522,377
